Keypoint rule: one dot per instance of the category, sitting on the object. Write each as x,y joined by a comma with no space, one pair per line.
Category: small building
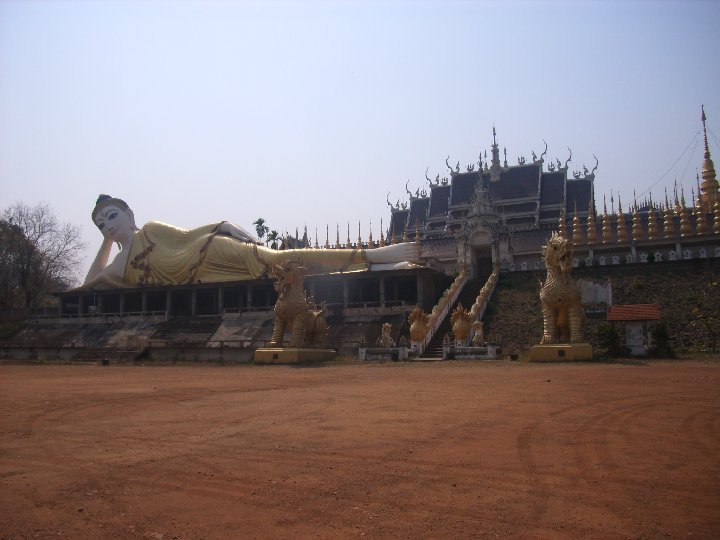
636,319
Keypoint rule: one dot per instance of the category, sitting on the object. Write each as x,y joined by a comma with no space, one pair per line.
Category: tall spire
495,163
709,187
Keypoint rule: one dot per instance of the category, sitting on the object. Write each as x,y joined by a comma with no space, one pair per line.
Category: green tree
272,238
37,255
260,227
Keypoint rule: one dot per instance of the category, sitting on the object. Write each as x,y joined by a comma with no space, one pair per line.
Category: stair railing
480,305
455,289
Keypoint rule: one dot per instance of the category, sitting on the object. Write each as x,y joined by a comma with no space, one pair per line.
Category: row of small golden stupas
660,223
706,213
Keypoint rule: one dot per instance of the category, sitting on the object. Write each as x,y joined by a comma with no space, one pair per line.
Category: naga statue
418,320
294,310
462,321
563,314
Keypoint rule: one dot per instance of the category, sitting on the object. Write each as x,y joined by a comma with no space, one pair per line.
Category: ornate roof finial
569,159
317,246
327,236
505,157
349,243
359,243
371,244
612,202
337,240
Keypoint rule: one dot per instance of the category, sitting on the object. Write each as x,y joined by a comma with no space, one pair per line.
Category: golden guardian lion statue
294,310
563,314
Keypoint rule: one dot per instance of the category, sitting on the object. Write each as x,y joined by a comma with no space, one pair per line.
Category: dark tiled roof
522,207
439,201
634,312
439,248
397,222
521,221
578,191
463,188
550,214
418,211
529,240
551,190
516,183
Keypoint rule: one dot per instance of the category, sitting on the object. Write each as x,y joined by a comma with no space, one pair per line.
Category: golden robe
162,254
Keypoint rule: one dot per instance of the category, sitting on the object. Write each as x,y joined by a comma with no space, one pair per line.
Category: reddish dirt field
452,449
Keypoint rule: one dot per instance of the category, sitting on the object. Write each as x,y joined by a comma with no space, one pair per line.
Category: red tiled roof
634,312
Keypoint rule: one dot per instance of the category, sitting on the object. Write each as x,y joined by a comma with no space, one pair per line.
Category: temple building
477,218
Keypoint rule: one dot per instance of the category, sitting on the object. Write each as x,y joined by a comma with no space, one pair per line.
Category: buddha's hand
407,251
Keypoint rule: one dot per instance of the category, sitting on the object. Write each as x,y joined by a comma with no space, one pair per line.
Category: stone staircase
466,298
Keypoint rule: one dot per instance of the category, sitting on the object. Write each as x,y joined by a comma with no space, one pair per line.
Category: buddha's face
115,223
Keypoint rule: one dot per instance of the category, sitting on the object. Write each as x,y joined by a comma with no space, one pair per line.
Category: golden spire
562,225
668,223
622,235
591,229
677,201
371,244
349,243
700,220
382,237
417,231
337,239
327,236
637,232
394,238
709,187
685,227
606,230
404,235
359,237
653,232
577,229
317,246
716,211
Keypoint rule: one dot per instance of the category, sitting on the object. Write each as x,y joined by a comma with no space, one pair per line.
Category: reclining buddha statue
161,254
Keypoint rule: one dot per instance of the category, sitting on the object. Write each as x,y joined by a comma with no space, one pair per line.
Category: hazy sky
309,113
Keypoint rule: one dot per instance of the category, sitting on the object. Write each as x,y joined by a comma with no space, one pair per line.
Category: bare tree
37,254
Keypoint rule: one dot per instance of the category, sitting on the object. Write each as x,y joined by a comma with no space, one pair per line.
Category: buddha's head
114,218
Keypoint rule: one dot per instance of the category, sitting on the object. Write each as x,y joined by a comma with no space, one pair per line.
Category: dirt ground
436,450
